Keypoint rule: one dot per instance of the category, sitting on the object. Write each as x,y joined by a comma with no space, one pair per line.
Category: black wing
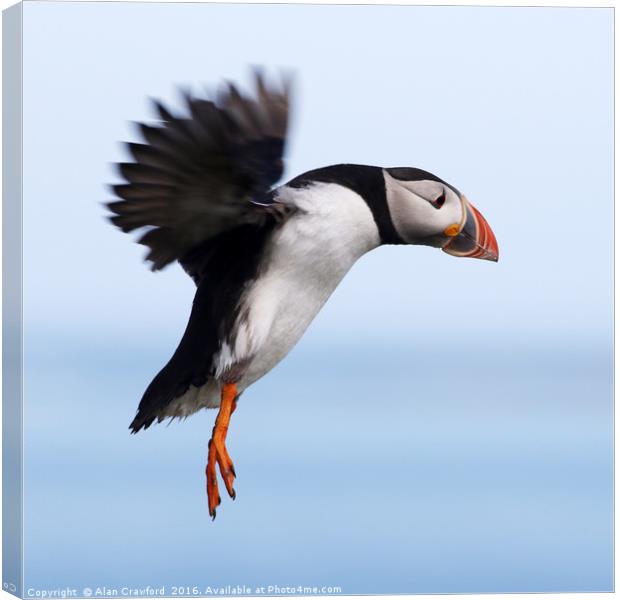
200,185
196,176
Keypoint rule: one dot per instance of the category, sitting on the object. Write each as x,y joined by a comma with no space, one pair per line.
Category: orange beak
474,237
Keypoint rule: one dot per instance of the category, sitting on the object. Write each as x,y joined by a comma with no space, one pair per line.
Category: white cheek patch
412,213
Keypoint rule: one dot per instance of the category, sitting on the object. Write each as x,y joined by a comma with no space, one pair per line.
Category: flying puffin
264,259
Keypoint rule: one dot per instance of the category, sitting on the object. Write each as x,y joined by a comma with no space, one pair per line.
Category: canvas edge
12,312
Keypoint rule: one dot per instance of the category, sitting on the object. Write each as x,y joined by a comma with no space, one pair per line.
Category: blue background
445,425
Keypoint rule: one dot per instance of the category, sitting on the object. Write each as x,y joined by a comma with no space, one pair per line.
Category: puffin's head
426,210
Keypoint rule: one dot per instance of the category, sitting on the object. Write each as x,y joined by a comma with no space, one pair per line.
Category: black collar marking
366,181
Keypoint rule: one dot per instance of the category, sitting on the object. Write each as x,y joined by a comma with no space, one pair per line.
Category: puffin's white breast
304,262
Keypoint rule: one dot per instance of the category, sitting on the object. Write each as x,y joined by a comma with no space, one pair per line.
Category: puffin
202,190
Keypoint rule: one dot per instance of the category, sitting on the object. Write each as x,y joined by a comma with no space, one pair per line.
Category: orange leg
217,449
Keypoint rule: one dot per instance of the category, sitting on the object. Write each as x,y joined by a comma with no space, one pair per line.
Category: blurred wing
200,175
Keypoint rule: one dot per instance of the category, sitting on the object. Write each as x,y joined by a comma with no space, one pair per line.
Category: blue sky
513,106
498,376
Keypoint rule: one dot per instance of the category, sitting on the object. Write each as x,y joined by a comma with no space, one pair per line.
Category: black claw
219,500
233,495
232,470
213,515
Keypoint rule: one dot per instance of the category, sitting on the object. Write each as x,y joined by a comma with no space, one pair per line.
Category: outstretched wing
200,175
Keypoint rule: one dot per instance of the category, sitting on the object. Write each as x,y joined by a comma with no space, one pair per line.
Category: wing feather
195,176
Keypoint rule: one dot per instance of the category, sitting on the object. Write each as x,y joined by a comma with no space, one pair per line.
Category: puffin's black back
227,263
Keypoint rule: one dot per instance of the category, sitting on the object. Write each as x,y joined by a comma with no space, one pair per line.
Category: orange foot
218,452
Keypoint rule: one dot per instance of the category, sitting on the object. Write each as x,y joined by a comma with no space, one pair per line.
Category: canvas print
404,422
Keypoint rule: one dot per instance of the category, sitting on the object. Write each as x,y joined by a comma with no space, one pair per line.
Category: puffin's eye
439,202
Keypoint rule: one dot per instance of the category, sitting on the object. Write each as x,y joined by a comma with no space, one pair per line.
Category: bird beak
473,237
